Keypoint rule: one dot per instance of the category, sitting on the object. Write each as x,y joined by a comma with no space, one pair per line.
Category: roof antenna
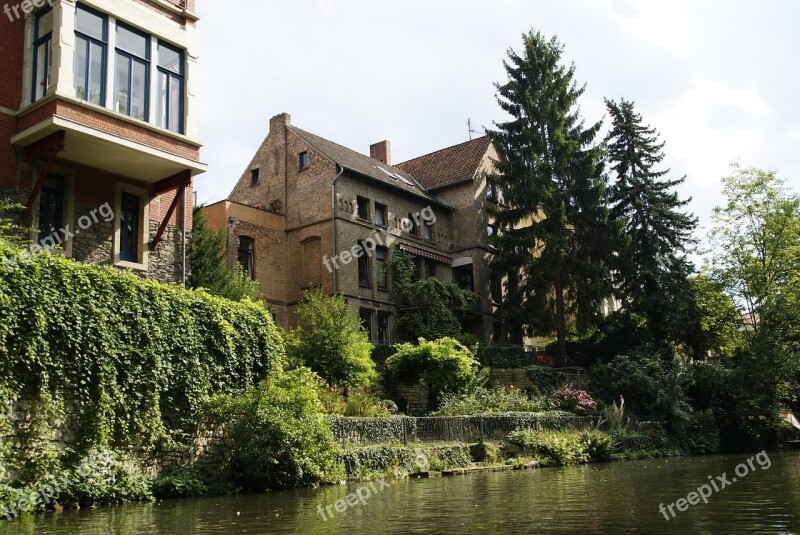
470,129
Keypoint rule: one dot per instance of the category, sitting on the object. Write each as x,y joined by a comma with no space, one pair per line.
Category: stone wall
508,377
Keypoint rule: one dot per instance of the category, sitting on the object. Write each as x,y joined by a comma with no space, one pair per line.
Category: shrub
279,436
504,356
545,378
103,477
598,445
482,401
363,403
552,447
575,401
181,481
331,342
369,460
442,365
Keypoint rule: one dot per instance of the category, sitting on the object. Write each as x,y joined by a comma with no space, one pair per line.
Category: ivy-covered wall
92,357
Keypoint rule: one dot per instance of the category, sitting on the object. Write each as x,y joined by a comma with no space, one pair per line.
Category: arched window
247,256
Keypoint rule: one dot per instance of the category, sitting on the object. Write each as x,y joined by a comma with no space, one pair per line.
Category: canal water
594,499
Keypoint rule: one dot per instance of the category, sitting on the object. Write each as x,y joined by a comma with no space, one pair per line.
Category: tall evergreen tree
651,266
554,224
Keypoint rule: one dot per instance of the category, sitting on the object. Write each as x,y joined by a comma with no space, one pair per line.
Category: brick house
98,128
305,204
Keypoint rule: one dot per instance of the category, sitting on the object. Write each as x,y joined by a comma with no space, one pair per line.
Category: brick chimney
279,122
382,152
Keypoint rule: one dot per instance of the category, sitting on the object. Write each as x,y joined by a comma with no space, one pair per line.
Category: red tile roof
448,166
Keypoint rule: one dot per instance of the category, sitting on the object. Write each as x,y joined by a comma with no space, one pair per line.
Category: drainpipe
183,238
333,224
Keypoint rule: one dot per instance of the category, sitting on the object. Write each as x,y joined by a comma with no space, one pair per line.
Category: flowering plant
577,401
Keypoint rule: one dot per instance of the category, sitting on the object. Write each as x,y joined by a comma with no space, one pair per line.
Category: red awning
426,254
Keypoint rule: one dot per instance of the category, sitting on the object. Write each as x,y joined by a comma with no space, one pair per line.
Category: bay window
131,96
170,88
91,43
42,53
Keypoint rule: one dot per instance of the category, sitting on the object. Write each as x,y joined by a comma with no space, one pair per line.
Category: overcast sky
718,79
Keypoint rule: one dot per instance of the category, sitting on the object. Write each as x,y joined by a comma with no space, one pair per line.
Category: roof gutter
333,226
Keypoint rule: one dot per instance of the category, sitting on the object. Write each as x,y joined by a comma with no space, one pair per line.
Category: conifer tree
553,227
652,269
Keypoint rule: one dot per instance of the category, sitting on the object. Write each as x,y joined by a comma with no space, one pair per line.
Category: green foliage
562,447
181,481
208,259
279,436
365,404
598,445
712,323
554,235
513,356
545,378
427,308
102,477
136,360
485,452
331,342
484,401
381,459
10,231
650,269
442,365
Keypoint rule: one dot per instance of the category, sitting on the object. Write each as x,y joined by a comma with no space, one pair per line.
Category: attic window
304,160
255,177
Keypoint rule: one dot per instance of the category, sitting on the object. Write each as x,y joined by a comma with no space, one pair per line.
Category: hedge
124,361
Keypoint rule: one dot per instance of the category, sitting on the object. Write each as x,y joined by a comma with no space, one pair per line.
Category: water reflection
604,498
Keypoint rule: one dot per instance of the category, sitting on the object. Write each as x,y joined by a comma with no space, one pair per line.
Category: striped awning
426,254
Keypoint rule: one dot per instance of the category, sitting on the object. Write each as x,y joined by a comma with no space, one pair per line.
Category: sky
717,79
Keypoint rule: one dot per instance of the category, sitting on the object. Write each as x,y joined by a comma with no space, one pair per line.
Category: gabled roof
364,165
448,166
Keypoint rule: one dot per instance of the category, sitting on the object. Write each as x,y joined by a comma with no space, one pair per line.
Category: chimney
382,152
279,122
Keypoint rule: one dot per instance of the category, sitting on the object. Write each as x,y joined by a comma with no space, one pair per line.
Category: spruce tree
652,270
554,224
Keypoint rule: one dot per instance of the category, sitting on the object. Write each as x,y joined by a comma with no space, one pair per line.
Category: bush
482,401
575,401
365,404
442,365
181,481
504,356
598,445
331,342
381,459
545,378
552,447
279,436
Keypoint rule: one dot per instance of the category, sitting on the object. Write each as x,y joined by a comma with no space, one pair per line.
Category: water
601,498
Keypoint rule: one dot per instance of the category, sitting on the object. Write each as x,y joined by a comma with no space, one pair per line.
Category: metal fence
405,429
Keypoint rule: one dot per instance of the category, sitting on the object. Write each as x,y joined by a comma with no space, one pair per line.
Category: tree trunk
561,320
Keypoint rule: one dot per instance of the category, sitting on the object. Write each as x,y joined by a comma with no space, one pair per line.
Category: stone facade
330,199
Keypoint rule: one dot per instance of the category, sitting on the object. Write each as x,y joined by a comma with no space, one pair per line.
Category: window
255,177
170,88
51,207
497,333
430,268
363,267
365,315
304,160
383,328
129,228
42,53
131,95
462,276
380,215
246,256
363,208
427,231
491,191
91,43
381,256
414,226
496,289
491,231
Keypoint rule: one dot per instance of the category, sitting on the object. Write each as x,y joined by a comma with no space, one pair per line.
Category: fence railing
405,429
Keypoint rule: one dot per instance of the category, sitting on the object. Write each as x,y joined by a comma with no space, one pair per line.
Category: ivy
118,361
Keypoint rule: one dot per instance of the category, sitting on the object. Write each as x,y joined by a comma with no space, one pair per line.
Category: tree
755,241
331,342
207,258
554,234
427,308
712,322
652,272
